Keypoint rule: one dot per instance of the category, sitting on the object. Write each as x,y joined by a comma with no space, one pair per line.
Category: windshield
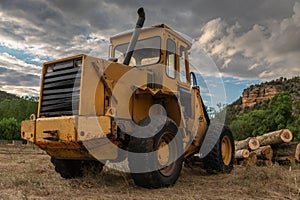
146,52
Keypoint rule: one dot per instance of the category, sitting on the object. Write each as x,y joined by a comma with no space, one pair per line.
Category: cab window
182,65
146,52
171,58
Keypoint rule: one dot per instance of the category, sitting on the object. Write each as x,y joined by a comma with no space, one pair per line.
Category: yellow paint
109,89
93,127
28,130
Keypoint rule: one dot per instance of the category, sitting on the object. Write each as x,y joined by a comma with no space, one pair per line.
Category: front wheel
221,158
159,159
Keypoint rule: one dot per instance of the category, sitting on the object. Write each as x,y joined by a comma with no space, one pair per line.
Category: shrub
9,129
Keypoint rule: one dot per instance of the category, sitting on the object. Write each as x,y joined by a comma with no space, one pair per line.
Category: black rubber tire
213,162
69,169
154,179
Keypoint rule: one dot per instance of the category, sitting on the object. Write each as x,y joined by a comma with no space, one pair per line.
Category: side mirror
193,79
113,59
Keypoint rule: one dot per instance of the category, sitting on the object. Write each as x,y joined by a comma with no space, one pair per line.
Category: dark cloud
189,16
246,38
117,15
265,51
13,77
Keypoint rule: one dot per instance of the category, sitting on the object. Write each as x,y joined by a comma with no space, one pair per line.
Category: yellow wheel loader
143,105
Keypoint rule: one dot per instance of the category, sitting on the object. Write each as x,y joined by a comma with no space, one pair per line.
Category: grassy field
27,173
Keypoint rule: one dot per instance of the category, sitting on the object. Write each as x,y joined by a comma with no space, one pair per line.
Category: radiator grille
61,89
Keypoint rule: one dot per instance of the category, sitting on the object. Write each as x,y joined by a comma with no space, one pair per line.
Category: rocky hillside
260,93
265,107
253,97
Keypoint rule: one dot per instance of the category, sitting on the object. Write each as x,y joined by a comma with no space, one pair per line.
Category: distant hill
7,96
265,107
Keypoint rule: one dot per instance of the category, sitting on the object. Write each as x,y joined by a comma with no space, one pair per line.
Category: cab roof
166,28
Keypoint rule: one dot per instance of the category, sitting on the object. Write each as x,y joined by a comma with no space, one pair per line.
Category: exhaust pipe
135,35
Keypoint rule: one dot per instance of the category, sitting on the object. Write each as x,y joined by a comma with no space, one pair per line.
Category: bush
9,129
12,112
20,109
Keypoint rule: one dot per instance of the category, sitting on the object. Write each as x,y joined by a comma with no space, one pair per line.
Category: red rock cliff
258,94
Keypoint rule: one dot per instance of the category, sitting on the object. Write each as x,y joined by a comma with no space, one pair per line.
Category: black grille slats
61,89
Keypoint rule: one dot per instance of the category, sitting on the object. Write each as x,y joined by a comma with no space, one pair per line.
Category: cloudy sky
250,41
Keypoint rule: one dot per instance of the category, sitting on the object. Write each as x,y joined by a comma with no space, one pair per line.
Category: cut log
285,160
251,160
275,137
264,152
243,153
297,153
291,149
249,143
267,163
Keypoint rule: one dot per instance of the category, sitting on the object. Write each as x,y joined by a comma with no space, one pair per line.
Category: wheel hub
226,150
165,153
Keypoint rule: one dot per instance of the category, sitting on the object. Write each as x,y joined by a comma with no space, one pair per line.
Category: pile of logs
267,149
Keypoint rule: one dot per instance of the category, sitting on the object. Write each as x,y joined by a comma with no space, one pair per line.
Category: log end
246,153
253,143
267,152
268,163
251,160
286,135
243,153
297,153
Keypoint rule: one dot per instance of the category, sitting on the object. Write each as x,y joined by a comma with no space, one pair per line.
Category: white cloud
265,51
12,63
21,90
212,30
38,60
296,17
49,42
18,77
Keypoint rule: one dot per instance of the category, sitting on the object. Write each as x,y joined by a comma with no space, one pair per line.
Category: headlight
50,69
78,63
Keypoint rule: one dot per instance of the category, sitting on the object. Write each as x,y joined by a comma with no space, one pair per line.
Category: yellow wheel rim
165,153
226,149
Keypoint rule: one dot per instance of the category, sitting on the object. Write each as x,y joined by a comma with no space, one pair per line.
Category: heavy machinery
143,105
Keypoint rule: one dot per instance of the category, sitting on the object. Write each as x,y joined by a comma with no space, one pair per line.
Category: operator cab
156,45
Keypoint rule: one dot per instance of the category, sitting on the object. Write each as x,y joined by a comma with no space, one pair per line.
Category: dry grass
32,176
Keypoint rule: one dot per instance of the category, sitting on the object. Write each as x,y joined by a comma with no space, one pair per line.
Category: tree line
275,114
12,112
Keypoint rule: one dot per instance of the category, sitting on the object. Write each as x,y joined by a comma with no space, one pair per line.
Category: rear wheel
74,168
161,168
221,157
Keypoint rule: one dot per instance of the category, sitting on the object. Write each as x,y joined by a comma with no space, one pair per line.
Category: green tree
280,109
12,112
9,129
294,126
250,124
20,109
273,115
296,106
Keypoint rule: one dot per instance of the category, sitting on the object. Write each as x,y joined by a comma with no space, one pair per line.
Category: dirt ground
27,173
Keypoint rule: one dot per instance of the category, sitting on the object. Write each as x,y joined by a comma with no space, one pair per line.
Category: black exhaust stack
135,35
